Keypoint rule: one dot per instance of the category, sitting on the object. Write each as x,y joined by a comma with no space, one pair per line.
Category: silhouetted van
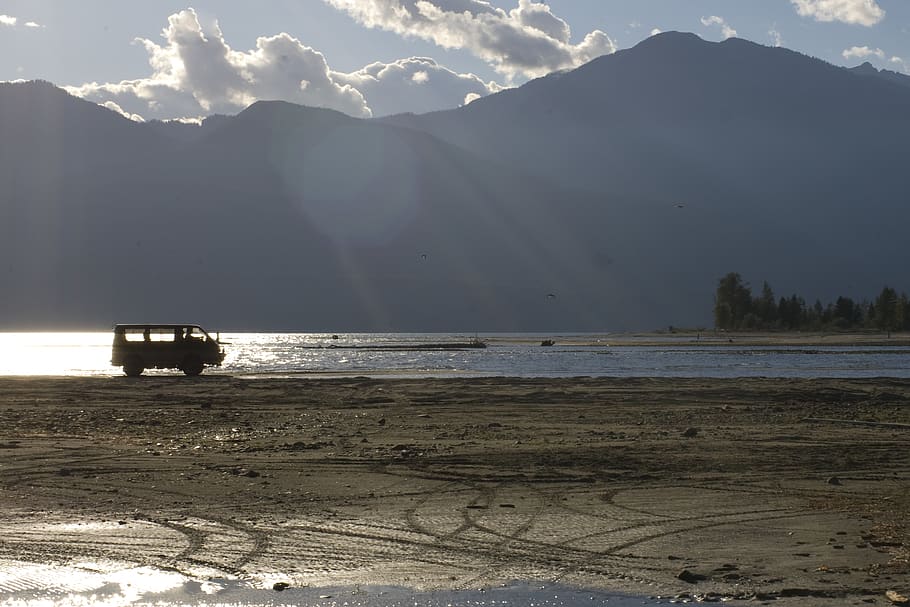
164,346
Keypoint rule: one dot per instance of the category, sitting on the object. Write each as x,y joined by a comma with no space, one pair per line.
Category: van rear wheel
192,365
133,366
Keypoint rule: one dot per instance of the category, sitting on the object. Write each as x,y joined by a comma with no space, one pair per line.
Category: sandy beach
791,491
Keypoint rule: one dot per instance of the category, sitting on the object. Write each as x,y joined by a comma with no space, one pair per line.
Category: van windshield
195,333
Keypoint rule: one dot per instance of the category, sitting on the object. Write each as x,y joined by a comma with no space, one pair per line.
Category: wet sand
748,489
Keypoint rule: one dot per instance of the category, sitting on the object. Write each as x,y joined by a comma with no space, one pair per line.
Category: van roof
125,326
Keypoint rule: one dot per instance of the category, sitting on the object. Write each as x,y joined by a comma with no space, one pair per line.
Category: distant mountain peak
280,108
29,99
35,84
673,37
866,69
669,42
43,89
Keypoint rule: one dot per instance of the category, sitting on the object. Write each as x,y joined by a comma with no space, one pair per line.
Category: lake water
519,355
147,587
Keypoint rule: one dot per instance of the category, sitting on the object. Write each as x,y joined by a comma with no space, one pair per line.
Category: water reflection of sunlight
55,353
99,584
146,586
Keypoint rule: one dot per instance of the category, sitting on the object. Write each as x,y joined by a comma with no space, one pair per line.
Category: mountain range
610,197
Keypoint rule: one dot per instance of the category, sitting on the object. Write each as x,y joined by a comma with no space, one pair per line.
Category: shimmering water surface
519,355
148,587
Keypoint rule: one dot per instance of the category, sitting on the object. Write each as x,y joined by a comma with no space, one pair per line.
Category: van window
153,335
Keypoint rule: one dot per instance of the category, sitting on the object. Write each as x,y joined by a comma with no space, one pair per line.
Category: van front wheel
133,366
192,365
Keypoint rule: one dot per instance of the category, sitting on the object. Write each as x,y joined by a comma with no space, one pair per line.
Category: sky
165,59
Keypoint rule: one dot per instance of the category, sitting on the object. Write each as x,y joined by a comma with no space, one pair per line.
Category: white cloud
855,12
145,97
196,73
527,41
116,108
725,28
901,64
538,16
863,52
417,84
656,31
776,37
10,21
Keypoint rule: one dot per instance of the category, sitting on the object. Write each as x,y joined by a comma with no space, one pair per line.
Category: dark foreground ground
756,489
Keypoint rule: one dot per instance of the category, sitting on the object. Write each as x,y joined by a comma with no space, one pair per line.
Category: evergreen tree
735,308
732,302
903,305
886,310
792,313
765,308
783,312
846,313
868,314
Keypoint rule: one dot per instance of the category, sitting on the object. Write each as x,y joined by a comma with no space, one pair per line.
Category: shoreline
721,338
708,336
739,487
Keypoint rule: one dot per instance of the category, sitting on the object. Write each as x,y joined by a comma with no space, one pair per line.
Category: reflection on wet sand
105,585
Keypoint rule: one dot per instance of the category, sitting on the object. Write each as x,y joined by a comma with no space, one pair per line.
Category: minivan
186,347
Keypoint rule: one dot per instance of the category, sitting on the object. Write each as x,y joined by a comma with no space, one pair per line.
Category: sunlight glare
56,354
101,584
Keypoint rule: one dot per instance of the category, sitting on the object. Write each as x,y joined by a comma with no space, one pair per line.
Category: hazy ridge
610,197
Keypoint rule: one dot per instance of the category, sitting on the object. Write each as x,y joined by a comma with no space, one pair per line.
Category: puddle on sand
36,585
517,595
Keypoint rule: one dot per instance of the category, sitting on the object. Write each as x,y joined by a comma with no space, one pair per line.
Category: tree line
737,309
